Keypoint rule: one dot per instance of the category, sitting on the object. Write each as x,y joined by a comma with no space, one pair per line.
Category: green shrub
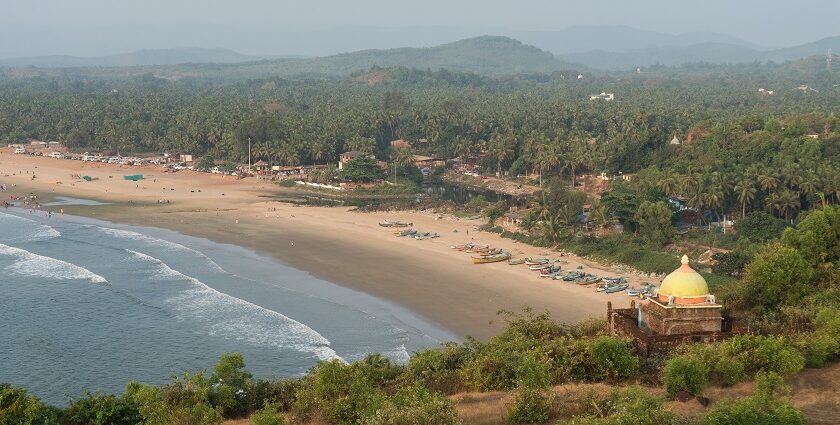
629,406
823,345
758,226
685,373
415,405
18,407
530,406
185,400
762,353
278,392
101,409
730,371
438,368
766,406
613,359
342,393
268,415
492,369
593,326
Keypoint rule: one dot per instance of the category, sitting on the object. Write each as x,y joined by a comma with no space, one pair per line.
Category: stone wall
623,323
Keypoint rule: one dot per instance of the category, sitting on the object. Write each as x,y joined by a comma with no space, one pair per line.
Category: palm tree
286,154
745,190
767,182
502,149
668,183
601,214
789,202
401,157
548,158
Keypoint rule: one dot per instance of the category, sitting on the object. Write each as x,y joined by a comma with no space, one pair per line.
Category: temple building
681,310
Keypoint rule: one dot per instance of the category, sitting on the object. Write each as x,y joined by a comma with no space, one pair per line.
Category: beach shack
428,162
262,167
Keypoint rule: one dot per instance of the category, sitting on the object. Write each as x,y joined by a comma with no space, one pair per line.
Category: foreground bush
685,374
415,405
630,406
268,415
438,369
18,407
530,406
101,409
766,406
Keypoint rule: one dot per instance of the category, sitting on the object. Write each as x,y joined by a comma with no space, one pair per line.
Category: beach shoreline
335,244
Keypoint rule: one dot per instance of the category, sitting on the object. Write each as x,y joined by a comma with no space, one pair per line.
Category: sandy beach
342,246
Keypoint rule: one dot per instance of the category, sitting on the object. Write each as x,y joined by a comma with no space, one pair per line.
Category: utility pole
249,155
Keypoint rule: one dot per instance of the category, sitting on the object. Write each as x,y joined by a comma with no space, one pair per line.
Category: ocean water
90,305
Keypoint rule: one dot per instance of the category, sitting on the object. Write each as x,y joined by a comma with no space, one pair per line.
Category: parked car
20,150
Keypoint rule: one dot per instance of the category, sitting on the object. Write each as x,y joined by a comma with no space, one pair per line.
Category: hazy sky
89,27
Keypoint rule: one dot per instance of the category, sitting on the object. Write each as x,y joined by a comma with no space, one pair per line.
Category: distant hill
704,52
485,55
139,58
587,38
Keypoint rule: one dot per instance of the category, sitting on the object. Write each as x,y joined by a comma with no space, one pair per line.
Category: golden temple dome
685,285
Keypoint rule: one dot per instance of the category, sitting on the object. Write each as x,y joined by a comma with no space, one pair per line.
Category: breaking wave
234,318
34,265
39,232
135,236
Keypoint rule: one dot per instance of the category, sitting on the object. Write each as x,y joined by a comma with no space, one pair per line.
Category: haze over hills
173,56
586,38
485,55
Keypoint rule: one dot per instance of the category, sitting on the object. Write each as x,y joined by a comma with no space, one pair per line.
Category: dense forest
741,150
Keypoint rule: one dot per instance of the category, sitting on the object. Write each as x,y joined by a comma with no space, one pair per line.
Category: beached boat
589,280
539,267
483,259
550,272
516,262
402,233
394,223
616,288
633,293
535,261
478,249
573,276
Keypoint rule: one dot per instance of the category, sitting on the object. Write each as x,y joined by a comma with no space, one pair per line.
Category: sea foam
234,318
39,232
135,236
34,265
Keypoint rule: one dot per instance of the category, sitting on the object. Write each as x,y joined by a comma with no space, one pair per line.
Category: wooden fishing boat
516,262
478,249
484,259
539,267
402,233
535,261
462,247
588,280
394,223
616,288
550,270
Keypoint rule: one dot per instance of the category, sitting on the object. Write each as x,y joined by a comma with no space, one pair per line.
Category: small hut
261,167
